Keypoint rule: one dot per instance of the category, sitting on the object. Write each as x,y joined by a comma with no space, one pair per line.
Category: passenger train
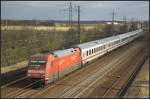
50,67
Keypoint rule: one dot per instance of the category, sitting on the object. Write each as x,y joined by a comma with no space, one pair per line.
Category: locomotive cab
37,69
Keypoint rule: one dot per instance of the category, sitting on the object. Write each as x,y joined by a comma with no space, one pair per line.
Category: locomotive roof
106,40
60,53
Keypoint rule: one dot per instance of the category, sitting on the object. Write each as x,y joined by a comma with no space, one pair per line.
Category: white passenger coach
97,48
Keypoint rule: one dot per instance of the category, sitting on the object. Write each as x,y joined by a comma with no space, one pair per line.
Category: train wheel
34,84
41,84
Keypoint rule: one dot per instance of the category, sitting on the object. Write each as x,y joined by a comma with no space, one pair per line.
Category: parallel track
126,76
76,88
79,86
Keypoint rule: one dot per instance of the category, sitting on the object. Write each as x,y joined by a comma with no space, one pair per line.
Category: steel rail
124,88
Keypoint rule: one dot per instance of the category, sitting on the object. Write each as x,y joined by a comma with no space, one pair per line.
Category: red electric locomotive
52,66
49,67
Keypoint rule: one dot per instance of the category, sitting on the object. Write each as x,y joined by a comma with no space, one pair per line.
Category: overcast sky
90,10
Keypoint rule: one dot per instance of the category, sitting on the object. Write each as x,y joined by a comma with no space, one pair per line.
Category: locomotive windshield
38,63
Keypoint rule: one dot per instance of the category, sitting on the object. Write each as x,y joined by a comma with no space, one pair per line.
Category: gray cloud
91,10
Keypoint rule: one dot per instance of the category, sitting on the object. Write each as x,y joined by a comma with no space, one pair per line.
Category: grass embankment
18,43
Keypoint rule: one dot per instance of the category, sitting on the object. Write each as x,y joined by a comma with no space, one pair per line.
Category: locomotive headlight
41,71
30,71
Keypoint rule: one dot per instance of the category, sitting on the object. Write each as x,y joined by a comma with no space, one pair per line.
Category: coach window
86,53
89,52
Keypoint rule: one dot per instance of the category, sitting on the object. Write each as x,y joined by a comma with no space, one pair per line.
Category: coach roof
105,40
96,42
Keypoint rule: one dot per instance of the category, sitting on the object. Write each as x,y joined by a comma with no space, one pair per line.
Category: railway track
59,84
120,85
12,76
27,86
131,78
66,92
17,85
139,83
78,94
13,82
90,81
68,85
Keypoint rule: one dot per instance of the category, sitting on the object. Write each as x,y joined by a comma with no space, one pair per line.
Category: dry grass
44,28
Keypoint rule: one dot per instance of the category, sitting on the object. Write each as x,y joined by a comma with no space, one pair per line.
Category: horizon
72,20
